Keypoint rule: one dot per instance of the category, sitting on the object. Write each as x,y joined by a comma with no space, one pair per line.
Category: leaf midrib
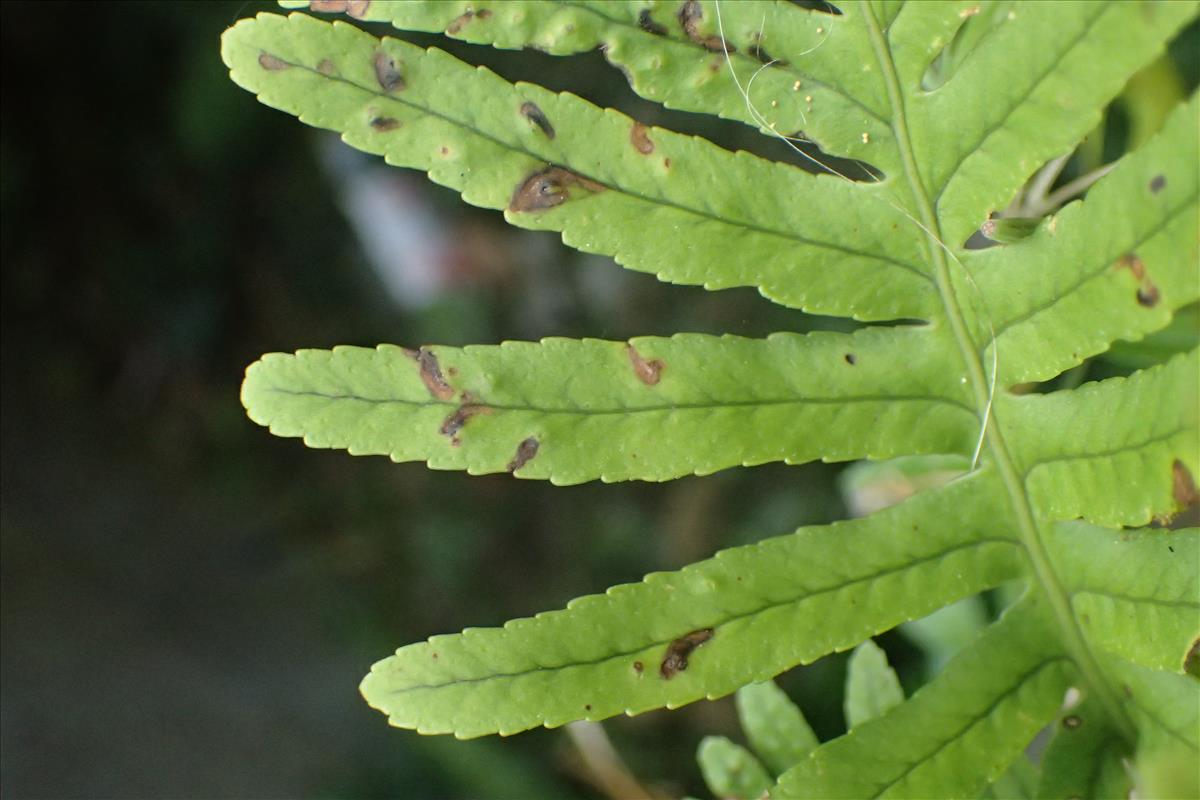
1044,574
622,411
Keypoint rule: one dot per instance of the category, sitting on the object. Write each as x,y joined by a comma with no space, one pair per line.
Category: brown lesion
680,650
548,188
351,8
526,450
531,112
385,124
1183,486
455,422
647,23
462,20
1191,661
1147,292
272,63
648,371
690,14
388,73
431,374
640,139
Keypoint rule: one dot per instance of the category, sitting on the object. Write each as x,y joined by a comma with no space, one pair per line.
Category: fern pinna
953,106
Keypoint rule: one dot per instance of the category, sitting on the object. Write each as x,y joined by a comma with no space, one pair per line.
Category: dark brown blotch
272,63
353,8
454,423
384,124
689,16
637,667
760,53
647,23
1183,487
431,374
640,139
680,650
531,112
387,73
548,188
1158,183
1191,662
325,67
526,450
851,359
1147,295
648,371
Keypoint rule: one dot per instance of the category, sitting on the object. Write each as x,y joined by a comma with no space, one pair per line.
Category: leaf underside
954,106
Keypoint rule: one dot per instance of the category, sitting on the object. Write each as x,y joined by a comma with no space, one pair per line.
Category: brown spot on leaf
1158,183
1183,487
1191,662
458,23
454,423
637,667
387,73
548,188
850,359
353,8
648,372
1133,264
587,706
640,139
325,67
759,52
678,652
531,112
690,14
1072,722
526,450
431,374
272,63
384,124
647,23
1147,295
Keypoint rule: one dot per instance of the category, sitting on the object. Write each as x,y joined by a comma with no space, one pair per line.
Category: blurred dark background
189,603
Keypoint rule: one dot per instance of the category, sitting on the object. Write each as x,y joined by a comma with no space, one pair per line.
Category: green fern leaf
1135,593
587,174
653,409
1083,759
704,631
872,687
730,770
956,734
774,725
954,106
